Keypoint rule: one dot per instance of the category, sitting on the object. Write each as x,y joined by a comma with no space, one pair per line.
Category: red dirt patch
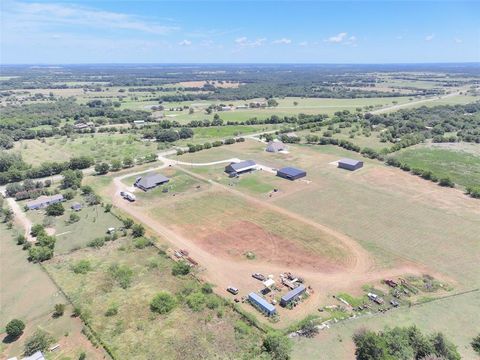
243,236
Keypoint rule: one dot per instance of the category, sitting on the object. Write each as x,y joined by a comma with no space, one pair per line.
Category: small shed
269,283
275,146
261,304
291,173
240,167
150,181
292,295
77,206
350,164
44,201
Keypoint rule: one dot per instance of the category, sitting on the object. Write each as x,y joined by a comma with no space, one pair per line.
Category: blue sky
239,31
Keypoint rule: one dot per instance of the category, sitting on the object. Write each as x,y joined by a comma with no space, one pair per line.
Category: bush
476,344
141,243
15,328
278,346
127,222
96,243
73,218
207,288
56,209
39,341
81,267
37,229
447,182
138,230
59,310
213,301
21,239
108,208
163,303
122,274
196,301
112,310
180,268
474,191
39,253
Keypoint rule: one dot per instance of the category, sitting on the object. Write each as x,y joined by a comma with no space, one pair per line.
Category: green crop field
133,331
457,317
460,166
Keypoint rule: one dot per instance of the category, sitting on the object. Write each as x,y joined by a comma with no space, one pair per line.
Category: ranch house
44,201
240,167
150,181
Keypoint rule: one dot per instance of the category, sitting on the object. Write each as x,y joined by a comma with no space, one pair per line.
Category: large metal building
261,304
240,167
150,181
350,164
292,295
291,173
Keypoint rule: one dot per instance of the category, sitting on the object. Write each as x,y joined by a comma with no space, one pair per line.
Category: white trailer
128,196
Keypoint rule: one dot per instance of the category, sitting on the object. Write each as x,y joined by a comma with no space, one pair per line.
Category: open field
27,293
93,223
457,317
133,331
446,161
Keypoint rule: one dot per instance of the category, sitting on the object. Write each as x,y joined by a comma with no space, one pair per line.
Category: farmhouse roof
37,356
293,293
243,165
349,161
151,180
44,199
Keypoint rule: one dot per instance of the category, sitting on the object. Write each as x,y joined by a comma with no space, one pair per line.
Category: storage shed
261,304
150,181
276,146
76,206
292,295
240,167
291,173
350,164
44,201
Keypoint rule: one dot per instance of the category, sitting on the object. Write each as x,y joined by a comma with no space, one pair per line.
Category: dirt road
21,218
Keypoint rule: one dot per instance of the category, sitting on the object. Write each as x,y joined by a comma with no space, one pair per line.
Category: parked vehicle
128,196
375,298
394,303
259,276
232,290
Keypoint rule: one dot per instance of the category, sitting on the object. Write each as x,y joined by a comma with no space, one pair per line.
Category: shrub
81,267
21,239
39,341
141,243
180,268
138,230
122,274
242,328
39,253
207,288
15,328
59,310
73,218
56,209
213,301
476,344
447,182
112,310
474,191
127,222
37,229
108,208
278,346
96,243
196,301
163,303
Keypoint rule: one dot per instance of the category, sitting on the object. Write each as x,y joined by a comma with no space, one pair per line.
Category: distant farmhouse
276,146
261,304
350,164
291,173
44,201
240,167
292,295
150,181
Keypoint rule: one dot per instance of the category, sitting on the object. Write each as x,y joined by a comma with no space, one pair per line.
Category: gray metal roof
44,200
243,165
276,146
37,356
151,180
349,161
293,293
291,171
261,301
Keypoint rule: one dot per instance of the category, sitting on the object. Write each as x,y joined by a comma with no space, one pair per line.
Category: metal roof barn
150,181
261,304
350,164
291,173
240,167
292,295
275,146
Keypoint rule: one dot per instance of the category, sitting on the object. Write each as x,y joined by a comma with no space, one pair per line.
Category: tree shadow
8,339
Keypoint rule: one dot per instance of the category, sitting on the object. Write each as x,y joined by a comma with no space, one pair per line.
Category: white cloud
429,37
283,41
245,42
46,15
457,40
337,38
185,43
303,43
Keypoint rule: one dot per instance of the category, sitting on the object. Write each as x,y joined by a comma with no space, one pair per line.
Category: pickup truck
259,276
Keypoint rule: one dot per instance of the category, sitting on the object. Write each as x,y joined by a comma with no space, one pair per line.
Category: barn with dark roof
291,173
150,181
240,167
350,164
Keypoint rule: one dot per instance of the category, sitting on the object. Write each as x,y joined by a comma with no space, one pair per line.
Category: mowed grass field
396,216
460,166
27,293
228,225
93,223
135,332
